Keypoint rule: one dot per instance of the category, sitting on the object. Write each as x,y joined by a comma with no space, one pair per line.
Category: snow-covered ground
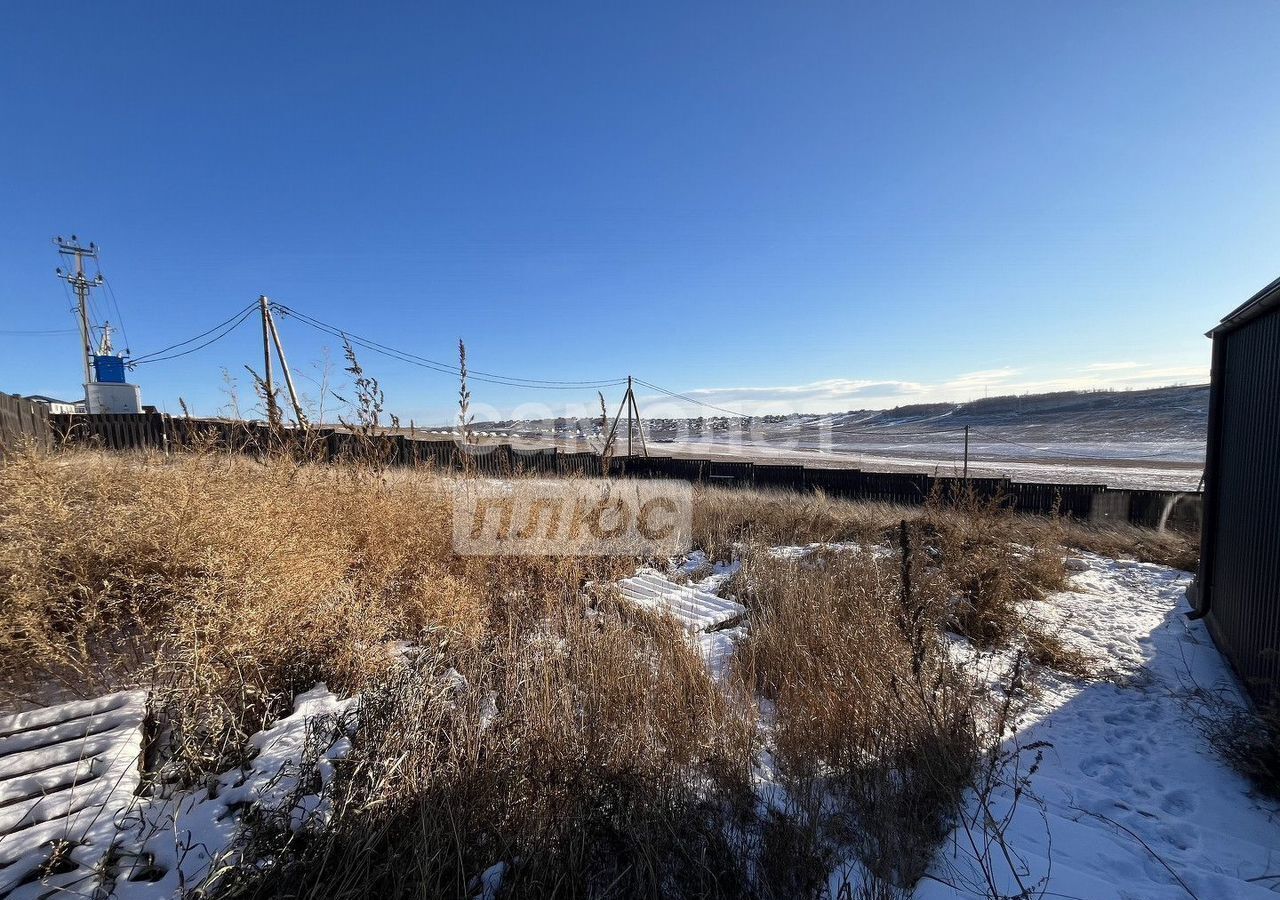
1140,439
1128,801
1116,465
1131,803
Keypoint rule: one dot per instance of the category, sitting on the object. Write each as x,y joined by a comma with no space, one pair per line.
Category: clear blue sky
828,206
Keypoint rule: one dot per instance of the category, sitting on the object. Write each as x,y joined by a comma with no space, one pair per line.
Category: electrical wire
46,333
224,328
146,357
111,293
226,331
436,364
865,433
689,399
441,367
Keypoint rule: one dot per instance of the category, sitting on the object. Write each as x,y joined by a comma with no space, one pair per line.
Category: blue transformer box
109,369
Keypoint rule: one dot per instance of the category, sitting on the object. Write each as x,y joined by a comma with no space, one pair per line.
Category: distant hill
1177,413
1190,401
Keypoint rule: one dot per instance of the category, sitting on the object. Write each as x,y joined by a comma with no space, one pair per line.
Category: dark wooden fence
22,421
1091,502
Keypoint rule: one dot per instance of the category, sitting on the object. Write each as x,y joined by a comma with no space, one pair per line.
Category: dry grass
991,563
724,517
1247,737
1250,742
868,709
1178,550
596,757
226,585
544,724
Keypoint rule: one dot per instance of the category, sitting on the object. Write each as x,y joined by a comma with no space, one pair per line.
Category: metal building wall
1240,568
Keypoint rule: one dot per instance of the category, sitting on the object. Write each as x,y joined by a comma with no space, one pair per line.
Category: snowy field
1151,439
1174,466
1130,802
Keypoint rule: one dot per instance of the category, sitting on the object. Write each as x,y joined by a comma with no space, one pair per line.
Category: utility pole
81,285
284,368
639,422
966,453
273,413
633,417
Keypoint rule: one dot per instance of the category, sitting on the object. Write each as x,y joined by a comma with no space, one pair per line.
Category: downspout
1209,523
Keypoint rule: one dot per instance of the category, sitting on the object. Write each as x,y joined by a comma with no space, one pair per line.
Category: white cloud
836,394
1112,366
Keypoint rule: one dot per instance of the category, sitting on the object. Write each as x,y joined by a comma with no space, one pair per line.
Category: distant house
1238,585
56,406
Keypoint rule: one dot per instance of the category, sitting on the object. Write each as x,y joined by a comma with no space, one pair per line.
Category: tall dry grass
593,756
871,720
726,517
540,722
226,584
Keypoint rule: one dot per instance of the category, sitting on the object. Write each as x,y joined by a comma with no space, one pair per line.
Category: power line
226,331
45,333
146,356
441,367
689,399
111,294
867,433
446,368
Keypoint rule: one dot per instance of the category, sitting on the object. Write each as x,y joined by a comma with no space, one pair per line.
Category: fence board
22,421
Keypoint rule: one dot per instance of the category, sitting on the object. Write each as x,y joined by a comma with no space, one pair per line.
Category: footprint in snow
1179,836
1178,803
1092,766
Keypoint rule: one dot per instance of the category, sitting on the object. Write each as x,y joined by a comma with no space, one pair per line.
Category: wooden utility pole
284,369
273,411
81,285
639,423
633,418
608,441
966,453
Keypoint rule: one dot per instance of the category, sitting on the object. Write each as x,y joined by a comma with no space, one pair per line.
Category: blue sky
814,206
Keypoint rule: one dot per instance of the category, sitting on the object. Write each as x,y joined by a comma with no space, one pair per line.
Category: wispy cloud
1111,366
837,394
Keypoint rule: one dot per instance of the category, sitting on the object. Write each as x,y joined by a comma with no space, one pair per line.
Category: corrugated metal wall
1243,589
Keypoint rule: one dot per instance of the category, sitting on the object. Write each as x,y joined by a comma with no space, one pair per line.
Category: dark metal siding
1241,584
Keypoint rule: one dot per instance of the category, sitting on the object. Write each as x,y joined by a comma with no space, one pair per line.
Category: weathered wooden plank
67,774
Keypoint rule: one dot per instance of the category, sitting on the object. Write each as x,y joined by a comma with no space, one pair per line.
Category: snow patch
1133,804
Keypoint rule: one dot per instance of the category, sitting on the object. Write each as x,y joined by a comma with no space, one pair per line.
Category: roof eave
1257,305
